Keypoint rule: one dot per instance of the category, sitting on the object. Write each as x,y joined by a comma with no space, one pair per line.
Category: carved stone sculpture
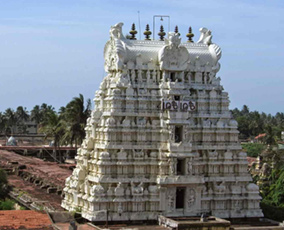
205,36
137,190
219,188
191,198
189,167
173,56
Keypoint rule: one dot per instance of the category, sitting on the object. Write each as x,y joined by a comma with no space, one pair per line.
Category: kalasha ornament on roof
161,139
162,33
176,31
133,32
147,32
190,35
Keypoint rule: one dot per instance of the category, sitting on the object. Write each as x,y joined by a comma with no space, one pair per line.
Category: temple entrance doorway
180,193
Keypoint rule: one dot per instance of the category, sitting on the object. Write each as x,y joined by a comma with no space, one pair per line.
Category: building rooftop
260,136
24,219
49,171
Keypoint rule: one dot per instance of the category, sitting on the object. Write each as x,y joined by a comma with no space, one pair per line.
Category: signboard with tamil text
179,105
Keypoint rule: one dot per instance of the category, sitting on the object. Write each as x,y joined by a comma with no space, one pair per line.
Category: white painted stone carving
153,189
119,190
97,190
172,164
219,188
122,155
205,36
191,198
137,190
171,201
139,160
116,31
114,50
173,56
189,167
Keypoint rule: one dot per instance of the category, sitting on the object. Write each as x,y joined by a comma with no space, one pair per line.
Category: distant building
31,127
26,127
260,138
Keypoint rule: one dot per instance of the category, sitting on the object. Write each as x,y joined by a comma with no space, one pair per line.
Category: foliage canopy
253,123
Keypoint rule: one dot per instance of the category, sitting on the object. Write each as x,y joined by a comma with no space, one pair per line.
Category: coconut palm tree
11,121
22,114
52,126
3,183
271,137
2,123
76,114
46,108
36,114
39,113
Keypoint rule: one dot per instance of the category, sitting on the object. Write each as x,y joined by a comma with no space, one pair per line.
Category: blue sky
52,50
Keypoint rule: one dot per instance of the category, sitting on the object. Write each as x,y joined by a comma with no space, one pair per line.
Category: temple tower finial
147,32
190,35
162,33
133,32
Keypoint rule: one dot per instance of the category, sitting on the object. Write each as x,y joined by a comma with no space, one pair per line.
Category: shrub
253,149
7,204
3,183
272,212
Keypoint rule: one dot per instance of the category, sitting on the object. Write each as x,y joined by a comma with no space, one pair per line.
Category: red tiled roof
260,135
50,171
24,219
251,160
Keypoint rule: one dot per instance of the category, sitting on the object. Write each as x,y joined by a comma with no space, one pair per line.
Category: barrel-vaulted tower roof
147,51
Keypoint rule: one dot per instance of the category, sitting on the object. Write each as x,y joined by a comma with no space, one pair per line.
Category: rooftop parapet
167,54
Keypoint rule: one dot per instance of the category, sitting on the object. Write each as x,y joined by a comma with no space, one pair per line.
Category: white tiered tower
161,139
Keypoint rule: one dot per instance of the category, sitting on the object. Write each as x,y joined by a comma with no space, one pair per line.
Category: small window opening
172,77
180,167
203,78
177,97
178,134
193,78
192,92
180,192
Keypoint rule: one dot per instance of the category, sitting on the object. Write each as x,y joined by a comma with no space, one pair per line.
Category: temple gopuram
161,139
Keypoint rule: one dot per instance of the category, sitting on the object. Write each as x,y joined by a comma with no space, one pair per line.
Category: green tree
253,149
3,183
270,138
243,127
39,114
52,126
245,110
7,204
76,114
275,193
2,123
46,110
256,124
22,114
36,114
253,123
11,121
